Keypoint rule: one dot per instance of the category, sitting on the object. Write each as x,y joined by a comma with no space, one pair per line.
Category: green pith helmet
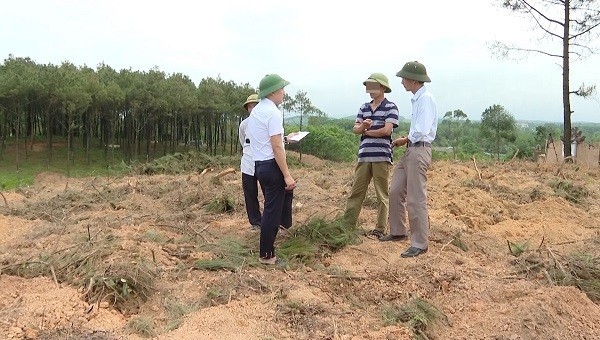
253,98
414,70
381,79
271,83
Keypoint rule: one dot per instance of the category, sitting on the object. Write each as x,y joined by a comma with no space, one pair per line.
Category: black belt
417,144
272,160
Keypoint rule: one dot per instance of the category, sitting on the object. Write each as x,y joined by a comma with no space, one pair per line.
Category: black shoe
413,251
393,238
376,233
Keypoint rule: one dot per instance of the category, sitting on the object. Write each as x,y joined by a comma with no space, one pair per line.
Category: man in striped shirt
375,122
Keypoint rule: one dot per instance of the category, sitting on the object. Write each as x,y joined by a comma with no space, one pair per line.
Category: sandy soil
62,240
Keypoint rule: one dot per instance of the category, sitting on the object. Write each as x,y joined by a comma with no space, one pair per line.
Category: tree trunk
566,98
69,144
48,138
17,140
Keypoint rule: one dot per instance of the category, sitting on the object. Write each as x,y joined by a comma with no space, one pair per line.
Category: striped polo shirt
377,149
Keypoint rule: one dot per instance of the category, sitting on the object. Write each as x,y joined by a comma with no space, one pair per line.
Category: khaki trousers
379,172
408,192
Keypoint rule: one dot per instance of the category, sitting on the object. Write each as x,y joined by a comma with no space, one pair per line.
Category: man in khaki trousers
408,189
375,122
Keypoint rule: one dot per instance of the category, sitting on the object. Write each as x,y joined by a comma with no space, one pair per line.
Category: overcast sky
326,48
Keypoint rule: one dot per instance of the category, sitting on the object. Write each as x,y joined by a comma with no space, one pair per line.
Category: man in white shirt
408,189
265,132
249,181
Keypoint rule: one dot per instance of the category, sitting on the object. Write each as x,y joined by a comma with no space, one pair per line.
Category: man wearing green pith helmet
249,181
265,134
374,123
408,189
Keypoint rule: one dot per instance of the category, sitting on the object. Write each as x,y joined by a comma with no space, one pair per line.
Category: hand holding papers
297,136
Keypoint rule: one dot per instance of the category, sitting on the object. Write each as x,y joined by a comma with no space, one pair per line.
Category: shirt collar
384,101
268,102
419,93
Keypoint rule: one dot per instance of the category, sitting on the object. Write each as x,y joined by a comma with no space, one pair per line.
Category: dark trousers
278,205
250,187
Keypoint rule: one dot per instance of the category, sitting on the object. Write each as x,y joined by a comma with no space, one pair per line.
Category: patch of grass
581,271
176,311
299,315
36,161
417,314
154,236
69,264
216,264
230,254
124,284
142,326
184,162
105,273
333,235
517,249
217,296
116,164
536,194
317,237
459,243
221,204
298,249
569,191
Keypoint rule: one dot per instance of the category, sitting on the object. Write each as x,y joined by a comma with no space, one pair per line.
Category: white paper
298,136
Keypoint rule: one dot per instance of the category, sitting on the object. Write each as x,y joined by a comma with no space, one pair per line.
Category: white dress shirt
424,119
265,120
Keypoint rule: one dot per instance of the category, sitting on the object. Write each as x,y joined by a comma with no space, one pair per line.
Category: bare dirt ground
114,258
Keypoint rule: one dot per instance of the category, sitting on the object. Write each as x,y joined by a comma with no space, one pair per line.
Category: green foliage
581,270
216,264
37,162
122,281
317,237
230,254
569,191
177,310
517,249
455,122
191,161
497,125
459,243
121,284
221,204
298,248
417,314
142,326
544,132
329,142
584,270
154,236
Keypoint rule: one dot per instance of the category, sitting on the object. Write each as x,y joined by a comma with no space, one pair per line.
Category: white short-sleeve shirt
265,120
